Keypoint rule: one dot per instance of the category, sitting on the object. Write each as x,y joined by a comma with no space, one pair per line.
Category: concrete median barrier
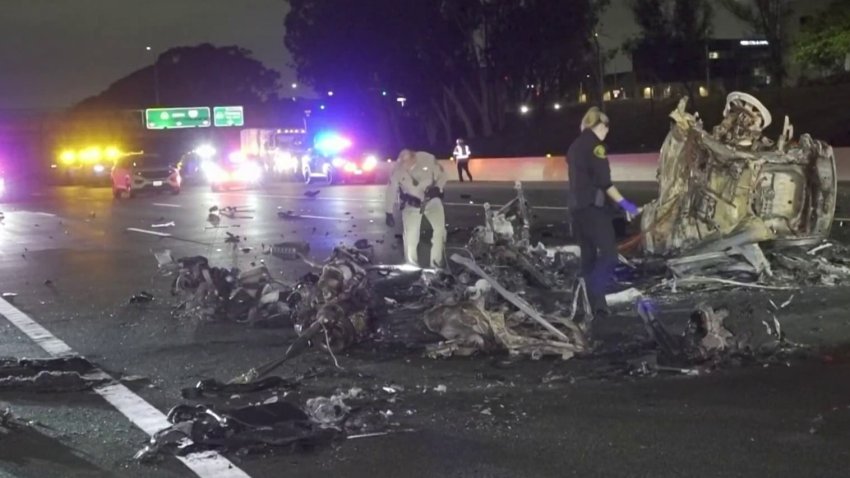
624,167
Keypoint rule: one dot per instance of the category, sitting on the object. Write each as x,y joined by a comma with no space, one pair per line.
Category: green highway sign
172,118
228,116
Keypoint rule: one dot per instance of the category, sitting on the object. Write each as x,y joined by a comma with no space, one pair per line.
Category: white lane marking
319,198
135,408
152,233
362,200
326,218
166,205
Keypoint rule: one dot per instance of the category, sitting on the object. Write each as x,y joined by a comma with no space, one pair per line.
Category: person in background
417,183
591,193
462,154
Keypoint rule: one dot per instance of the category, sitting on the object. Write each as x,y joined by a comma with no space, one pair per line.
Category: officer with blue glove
591,193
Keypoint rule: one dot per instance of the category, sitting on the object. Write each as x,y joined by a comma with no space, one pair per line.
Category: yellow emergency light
91,155
68,156
112,153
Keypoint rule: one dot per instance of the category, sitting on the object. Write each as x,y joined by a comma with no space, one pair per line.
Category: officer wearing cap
591,193
461,154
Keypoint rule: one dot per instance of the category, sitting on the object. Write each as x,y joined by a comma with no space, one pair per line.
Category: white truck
279,150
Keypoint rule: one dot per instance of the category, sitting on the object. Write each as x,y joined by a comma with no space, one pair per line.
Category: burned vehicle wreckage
723,195
734,187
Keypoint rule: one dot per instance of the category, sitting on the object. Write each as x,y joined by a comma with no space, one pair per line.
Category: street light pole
707,70
601,72
155,78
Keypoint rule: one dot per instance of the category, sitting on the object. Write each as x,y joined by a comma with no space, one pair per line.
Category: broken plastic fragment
141,298
627,296
164,258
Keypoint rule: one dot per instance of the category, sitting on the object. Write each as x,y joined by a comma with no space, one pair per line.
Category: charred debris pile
734,210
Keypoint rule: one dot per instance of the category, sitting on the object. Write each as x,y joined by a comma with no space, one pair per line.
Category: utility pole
707,70
601,72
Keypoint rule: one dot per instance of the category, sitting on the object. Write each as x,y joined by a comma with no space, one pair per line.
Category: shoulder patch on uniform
600,152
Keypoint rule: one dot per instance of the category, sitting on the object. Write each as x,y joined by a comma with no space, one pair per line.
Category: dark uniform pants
594,228
463,165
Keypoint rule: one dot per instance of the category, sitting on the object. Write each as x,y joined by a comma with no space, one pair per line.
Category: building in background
738,56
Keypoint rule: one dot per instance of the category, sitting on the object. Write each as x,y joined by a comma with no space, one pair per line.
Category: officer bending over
417,183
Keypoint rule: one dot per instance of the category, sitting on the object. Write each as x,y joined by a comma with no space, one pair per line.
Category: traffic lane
85,301
147,341
734,423
74,435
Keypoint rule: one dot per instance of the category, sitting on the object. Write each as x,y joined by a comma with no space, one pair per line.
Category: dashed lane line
135,408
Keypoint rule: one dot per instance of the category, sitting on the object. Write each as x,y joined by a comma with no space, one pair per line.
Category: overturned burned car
733,186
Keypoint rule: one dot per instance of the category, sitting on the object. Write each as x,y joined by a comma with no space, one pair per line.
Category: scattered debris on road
142,297
276,424
250,429
212,387
73,374
232,238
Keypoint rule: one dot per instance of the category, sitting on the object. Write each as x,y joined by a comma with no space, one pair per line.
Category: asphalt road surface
68,254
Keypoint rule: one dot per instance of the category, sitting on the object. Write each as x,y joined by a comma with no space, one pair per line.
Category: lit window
647,93
713,55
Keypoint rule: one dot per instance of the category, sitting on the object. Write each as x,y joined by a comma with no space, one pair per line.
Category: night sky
54,53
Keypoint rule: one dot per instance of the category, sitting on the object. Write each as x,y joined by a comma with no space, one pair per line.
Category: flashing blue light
384,93
330,143
321,107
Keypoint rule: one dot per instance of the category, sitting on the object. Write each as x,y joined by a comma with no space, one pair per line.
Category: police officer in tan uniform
416,184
